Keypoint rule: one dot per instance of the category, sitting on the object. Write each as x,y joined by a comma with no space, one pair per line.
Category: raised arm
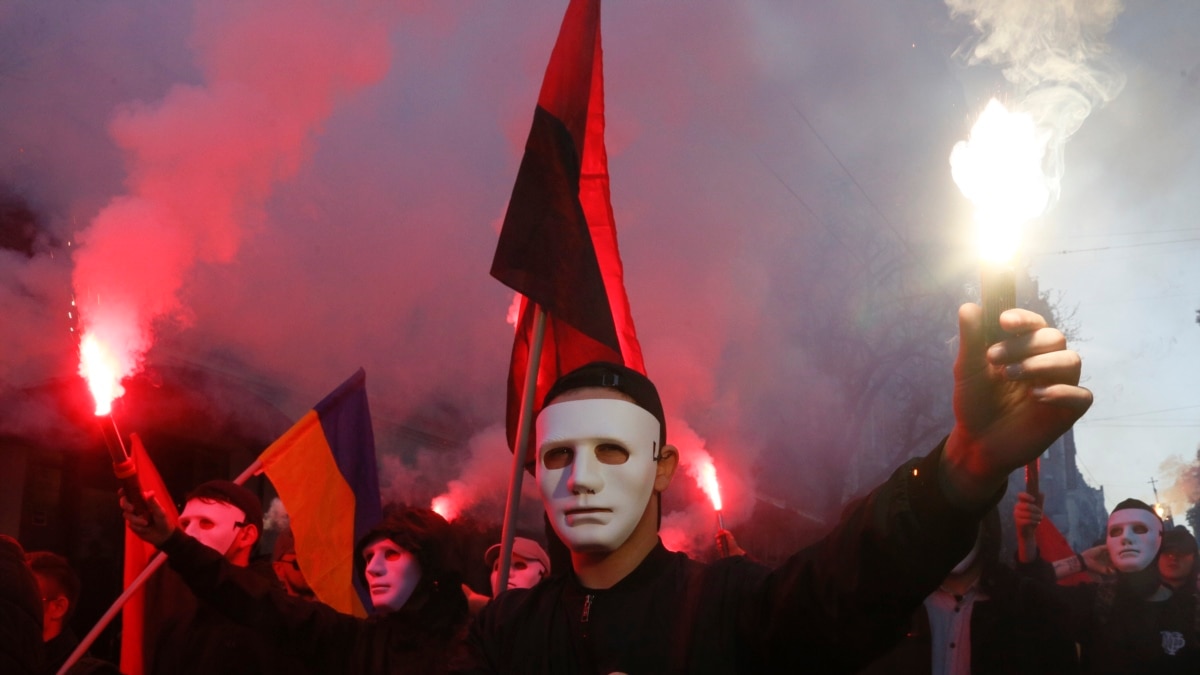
1011,401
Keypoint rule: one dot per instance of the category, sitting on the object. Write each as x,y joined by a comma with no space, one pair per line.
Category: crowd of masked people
910,580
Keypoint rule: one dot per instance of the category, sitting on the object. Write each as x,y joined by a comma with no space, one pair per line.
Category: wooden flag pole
524,426
134,586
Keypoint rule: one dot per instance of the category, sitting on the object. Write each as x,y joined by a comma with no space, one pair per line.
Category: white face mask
521,574
1134,536
214,524
392,574
596,470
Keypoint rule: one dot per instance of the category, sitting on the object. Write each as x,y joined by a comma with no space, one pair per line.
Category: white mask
521,574
596,470
1134,536
214,524
392,574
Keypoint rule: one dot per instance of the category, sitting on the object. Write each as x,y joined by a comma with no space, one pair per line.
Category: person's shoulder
516,601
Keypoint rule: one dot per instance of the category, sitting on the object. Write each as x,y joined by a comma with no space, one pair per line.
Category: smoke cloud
1056,57
203,160
281,192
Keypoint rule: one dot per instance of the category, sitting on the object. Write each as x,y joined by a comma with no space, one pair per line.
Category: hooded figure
407,562
423,578
1129,622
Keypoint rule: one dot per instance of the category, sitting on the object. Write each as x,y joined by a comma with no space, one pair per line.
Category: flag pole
134,586
524,424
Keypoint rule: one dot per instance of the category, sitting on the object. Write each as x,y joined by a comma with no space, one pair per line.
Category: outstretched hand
1011,401
154,530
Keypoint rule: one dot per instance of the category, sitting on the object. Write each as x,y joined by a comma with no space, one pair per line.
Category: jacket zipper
587,609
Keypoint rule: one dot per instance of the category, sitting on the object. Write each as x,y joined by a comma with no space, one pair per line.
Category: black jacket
325,640
1009,636
831,608
196,638
1119,631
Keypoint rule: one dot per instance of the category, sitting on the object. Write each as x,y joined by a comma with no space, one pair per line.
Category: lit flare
999,168
102,370
445,507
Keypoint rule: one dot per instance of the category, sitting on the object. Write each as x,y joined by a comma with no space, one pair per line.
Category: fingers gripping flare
1011,400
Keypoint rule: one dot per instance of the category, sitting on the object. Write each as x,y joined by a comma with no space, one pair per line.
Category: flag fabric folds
558,245
325,473
1052,545
139,618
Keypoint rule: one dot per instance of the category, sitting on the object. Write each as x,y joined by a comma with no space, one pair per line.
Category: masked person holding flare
407,563
629,605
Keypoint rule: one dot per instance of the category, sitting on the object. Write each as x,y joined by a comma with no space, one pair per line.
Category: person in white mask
226,519
410,570
1129,622
601,460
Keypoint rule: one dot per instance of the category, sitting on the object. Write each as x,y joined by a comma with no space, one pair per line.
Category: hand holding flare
999,168
99,367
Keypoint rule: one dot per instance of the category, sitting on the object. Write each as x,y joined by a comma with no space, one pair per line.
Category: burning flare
706,477
445,507
999,168
99,365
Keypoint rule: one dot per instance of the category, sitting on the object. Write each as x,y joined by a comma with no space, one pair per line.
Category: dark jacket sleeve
21,648
1068,608
314,631
848,598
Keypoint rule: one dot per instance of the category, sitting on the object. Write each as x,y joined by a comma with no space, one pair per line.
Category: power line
1145,412
1117,246
1127,233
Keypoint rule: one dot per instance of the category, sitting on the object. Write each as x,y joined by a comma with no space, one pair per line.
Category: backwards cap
614,376
228,492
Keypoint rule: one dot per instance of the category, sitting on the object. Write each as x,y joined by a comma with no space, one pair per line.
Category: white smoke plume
276,518
1055,55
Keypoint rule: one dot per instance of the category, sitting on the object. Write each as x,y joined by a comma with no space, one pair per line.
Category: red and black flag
558,246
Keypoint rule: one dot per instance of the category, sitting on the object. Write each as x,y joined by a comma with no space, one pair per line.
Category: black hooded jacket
419,638
1121,630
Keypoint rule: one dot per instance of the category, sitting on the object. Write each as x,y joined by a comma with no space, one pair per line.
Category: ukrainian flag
324,471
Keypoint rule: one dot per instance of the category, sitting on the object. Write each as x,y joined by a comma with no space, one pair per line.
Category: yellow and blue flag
325,473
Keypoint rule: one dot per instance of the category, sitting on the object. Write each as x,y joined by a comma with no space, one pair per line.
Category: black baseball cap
1178,540
608,375
228,492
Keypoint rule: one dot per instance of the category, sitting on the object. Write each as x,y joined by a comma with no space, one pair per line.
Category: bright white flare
102,370
445,507
706,476
999,168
